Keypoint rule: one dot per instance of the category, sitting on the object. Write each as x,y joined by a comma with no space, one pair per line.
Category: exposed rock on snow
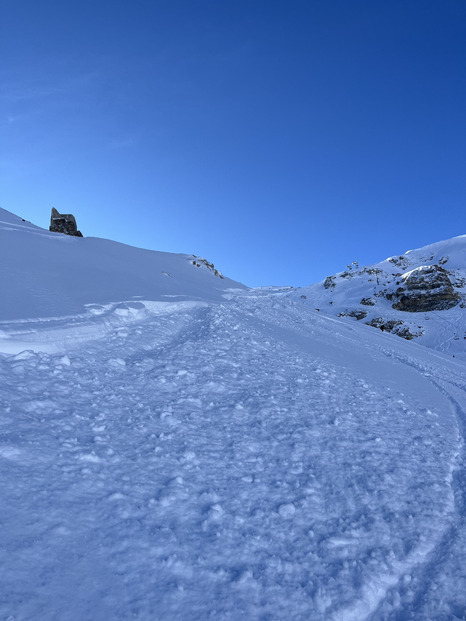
393,326
63,223
357,314
420,294
426,288
199,261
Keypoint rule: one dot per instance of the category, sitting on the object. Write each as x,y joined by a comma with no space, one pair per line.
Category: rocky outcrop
329,282
426,288
357,314
394,326
63,223
199,261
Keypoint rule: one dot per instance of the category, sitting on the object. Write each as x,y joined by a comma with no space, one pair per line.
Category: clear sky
279,139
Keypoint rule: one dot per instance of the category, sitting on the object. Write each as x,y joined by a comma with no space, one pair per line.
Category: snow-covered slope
434,277
50,273
48,276
224,454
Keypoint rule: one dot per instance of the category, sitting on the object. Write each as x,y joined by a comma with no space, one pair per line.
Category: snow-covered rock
419,295
426,288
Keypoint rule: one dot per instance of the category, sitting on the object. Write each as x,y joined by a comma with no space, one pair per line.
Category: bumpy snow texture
175,446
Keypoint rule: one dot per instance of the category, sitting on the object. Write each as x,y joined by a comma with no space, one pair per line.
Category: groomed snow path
246,460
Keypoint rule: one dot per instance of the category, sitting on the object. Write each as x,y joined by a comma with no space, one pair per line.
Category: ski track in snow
231,461
440,582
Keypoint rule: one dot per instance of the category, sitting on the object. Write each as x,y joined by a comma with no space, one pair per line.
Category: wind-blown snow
228,454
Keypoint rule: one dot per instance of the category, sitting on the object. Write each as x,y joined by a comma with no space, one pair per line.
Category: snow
443,330
225,454
50,272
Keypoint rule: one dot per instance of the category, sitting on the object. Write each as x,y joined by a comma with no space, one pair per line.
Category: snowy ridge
365,294
226,453
50,274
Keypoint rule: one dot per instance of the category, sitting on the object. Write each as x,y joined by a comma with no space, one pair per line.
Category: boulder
425,288
63,223
357,314
394,326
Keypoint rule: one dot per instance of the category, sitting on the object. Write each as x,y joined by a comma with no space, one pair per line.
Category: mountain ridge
61,274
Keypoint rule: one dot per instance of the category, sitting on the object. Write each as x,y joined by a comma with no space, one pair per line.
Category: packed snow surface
224,454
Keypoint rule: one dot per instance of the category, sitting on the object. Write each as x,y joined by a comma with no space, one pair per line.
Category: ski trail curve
437,587
404,588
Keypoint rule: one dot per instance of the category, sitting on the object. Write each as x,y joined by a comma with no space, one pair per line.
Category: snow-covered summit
418,295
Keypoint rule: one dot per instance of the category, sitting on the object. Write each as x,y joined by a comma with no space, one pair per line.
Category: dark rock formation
357,314
384,324
329,282
63,223
393,326
425,288
198,261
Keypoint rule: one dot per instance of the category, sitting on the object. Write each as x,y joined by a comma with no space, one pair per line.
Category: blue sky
280,140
